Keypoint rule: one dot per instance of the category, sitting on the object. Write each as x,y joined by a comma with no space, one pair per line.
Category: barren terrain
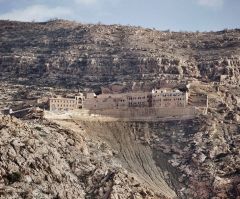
77,155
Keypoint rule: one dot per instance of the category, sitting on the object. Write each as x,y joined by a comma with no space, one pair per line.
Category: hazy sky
177,15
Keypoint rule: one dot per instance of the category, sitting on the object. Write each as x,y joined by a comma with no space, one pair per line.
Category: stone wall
150,113
62,104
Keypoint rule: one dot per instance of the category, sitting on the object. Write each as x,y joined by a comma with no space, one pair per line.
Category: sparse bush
13,177
38,128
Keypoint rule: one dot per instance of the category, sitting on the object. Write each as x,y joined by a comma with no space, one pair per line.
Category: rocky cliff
69,53
197,158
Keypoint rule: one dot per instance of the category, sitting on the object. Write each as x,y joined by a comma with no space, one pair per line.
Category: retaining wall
147,113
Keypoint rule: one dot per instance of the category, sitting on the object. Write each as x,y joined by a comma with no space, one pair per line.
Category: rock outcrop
44,160
73,54
198,158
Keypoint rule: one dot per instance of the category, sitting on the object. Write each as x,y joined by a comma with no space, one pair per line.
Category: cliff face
135,156
196,158
70,53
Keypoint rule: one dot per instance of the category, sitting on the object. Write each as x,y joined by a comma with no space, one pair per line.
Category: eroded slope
198,158
40,159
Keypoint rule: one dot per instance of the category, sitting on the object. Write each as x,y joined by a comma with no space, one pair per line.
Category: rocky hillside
197,158
70,53
40,159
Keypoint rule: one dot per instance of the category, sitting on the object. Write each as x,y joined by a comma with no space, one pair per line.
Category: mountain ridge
61,51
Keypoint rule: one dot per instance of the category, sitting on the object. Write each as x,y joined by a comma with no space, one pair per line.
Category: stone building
198,100
66,104
156,98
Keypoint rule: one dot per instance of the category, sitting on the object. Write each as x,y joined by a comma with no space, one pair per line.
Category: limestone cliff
69,53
